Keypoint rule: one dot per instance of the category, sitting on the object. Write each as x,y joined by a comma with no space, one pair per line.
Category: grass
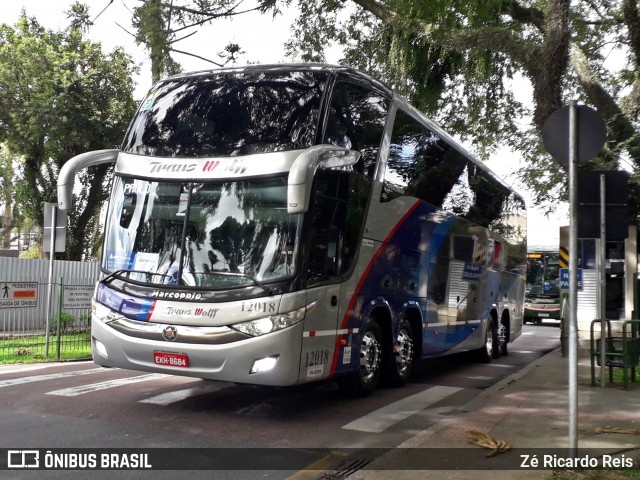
32,348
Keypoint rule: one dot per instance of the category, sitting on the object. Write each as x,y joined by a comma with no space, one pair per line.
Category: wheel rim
404,352
369,356
488,341
502,335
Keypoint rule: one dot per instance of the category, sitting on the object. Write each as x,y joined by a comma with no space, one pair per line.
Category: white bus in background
284,224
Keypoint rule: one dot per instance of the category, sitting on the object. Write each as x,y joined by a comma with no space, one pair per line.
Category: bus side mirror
304,168
67,175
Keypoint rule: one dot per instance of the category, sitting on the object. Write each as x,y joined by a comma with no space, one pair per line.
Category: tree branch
212,16
526,15
176,40
393,19
632,20
500,39
197,56
620,127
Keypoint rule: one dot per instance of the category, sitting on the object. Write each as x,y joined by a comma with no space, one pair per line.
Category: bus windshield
543,275
228,114
215,235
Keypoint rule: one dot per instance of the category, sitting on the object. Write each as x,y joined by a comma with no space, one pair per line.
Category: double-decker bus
542,296
277,225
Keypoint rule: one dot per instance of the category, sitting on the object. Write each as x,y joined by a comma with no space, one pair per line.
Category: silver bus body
364,241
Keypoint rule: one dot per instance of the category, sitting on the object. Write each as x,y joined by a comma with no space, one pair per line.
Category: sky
262,38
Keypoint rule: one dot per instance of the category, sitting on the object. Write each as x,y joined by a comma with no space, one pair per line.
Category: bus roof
352,72
286,67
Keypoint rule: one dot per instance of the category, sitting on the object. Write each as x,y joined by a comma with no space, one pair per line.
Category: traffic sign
616,193
60,234
591,134
564,279
77,296
18,294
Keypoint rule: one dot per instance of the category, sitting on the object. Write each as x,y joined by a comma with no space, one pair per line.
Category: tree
159,25
60,96
9,220
458,59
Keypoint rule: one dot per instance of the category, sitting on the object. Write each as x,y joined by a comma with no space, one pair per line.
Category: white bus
283,224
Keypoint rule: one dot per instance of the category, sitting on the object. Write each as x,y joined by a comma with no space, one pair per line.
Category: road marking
500,365
522,351
179,395
4,370
51,376
477,377
95,387
381,419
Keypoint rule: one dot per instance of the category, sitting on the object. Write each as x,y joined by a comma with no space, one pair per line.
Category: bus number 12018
259,307
316,357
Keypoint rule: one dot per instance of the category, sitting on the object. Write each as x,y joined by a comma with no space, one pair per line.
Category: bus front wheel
365,379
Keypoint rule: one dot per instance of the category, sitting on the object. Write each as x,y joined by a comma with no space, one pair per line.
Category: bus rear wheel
489,350
503,350
401,357
365,379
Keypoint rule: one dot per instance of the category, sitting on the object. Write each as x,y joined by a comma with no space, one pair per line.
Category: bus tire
502,341
400,357
364,380
488,350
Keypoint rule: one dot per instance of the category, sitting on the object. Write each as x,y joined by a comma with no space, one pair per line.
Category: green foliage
33,253
159,25
466,62
79,17
85,320
60,96
463,88
65,321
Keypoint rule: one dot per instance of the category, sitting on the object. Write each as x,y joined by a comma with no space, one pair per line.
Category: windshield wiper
244,275
126,272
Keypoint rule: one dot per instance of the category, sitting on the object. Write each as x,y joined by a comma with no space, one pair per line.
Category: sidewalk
528,410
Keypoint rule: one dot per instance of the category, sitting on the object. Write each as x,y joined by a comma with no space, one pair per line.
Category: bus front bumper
271,359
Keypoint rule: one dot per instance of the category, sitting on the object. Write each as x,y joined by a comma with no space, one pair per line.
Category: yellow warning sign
564,257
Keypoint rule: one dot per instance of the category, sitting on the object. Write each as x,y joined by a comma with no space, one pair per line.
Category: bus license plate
540,314
171,359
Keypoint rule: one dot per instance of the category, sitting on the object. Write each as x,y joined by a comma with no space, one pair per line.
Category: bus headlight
102,313
273,323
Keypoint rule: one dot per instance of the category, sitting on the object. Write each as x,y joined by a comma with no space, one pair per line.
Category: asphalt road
82,406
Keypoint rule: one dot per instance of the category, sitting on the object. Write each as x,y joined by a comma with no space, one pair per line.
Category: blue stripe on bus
130,307
406,254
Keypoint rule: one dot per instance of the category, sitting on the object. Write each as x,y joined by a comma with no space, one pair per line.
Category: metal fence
29,303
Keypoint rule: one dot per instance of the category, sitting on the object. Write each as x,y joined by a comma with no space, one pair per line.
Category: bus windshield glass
214,235
543,274
230,114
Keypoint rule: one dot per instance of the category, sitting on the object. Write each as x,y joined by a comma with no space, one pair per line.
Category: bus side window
421,164
328,217
337,217
356,120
